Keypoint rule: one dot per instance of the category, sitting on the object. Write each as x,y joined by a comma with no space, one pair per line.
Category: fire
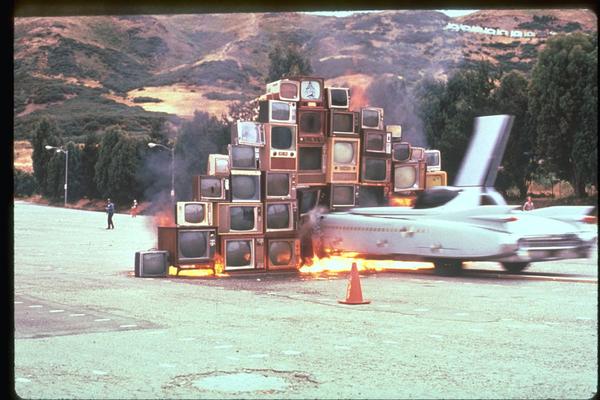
164,218
202,270
358,98
402,201
344,263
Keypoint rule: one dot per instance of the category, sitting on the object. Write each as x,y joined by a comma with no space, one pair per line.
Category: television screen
280,111
339,97
375,141
310,158
372,118
405,176
372,196
242,218
288,90
375,169
278,184
344,152
192,244
280,252
221,166
433,160
401,151
211,187
417,153
342,122
310,122
250,133
278,216
311,90
238,253
245,187
308,200
342,195
218,164
243,157
395,131
194,213
282,138
151,264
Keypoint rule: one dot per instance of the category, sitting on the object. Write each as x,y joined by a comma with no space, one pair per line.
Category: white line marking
98,372
102,319
36,306
22,380
56,311
18,302
291,352
128,326
76,315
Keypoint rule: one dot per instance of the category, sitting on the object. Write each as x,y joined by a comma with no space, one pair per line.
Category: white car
469,221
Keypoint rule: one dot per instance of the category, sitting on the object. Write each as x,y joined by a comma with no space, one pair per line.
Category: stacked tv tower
305,150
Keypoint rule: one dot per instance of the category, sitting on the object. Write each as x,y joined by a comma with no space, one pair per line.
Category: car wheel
515,267
448,267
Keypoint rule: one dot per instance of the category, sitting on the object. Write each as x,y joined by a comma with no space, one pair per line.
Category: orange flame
164,218
402,201
358,97
343,263
214,270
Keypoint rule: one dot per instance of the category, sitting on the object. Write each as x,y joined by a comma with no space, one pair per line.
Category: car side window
487,200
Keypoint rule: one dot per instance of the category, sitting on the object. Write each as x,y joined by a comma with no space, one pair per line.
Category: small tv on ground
243,253
283,254
194,213
151,264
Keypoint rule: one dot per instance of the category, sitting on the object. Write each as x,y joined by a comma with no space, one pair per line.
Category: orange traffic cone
354,292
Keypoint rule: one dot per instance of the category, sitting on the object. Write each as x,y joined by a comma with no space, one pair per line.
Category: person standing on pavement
528,206
134,208
110,210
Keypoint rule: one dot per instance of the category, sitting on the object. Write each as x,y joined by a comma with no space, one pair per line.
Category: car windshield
434,198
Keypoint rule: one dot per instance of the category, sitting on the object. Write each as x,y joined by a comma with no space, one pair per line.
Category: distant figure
110,210
528,206
134,208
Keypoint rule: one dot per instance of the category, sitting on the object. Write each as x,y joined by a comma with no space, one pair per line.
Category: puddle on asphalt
241,382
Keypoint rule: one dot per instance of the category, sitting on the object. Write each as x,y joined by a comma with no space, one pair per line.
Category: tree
448,110
122,171
102,172
563,108
287,59
89,157
46,134
511,97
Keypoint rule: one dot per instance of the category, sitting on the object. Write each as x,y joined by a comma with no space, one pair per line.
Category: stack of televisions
306,149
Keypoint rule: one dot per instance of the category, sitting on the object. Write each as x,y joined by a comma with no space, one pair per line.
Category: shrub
24,183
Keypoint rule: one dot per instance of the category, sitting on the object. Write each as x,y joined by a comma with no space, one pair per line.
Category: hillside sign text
489,31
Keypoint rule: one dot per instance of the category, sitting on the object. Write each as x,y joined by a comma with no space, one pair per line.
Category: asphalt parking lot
85,327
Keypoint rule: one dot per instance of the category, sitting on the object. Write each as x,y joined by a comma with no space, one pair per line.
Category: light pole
61,150
172,149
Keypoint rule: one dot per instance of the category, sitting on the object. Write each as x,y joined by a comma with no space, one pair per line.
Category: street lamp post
172,150
61,150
